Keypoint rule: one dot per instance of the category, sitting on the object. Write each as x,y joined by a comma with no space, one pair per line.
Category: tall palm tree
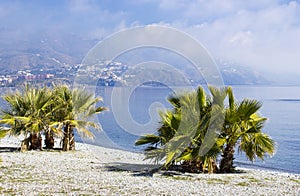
243,128
73,110
183,131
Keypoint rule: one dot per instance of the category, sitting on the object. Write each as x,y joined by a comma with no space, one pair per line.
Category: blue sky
263,34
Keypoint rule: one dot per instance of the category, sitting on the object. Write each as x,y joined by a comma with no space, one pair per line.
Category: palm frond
247,108
3,132
230,98
257,145
148,139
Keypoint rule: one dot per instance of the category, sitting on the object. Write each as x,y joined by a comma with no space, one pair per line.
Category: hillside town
107,76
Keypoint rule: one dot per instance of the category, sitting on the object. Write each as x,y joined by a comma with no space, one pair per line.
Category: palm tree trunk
49,140
66,139
214,167
226,164
192,166
72,139
25,145
35,140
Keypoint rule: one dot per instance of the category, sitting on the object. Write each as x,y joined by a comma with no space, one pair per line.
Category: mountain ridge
53,51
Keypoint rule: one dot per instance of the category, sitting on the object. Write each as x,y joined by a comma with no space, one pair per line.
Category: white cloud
202,9
82,5
244,38
98,33
172,5
264,36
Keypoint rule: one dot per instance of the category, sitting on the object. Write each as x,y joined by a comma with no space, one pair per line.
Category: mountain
234,74
45,52
55,50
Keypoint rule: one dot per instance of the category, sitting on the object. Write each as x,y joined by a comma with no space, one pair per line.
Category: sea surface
281,105
138,116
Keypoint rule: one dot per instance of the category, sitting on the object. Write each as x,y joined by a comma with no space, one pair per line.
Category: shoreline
264,168
16,142
97,170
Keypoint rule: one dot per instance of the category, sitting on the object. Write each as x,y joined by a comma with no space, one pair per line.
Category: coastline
95,170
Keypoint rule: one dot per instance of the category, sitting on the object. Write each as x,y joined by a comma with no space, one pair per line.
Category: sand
93,170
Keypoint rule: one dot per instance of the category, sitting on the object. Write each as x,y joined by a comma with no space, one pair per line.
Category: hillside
60,51
45,52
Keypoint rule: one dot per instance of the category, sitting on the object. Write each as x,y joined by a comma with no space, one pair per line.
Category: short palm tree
182,136
27,114
243,128
199,129
73,110
34,111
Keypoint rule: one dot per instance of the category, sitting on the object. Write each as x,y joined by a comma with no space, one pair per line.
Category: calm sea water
281,105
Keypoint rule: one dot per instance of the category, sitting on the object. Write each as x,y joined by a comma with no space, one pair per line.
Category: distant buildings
21,76
106,73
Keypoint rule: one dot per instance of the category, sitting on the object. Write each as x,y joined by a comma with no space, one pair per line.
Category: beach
94,170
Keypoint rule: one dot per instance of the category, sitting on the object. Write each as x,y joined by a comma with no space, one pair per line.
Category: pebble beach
94,170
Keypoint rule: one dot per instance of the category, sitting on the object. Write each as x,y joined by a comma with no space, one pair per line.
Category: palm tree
72,112
27,114
243,128
53,112
182,135
3,132
181,138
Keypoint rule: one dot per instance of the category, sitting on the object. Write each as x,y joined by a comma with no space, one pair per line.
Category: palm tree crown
55,111
200,128
74,107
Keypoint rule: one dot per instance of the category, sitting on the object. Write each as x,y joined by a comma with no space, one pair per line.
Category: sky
261,34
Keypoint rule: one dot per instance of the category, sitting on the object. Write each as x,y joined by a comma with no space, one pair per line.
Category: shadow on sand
18,149
149,170
9,149
136,169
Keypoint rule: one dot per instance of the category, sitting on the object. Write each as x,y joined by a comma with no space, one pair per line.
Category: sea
134,112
